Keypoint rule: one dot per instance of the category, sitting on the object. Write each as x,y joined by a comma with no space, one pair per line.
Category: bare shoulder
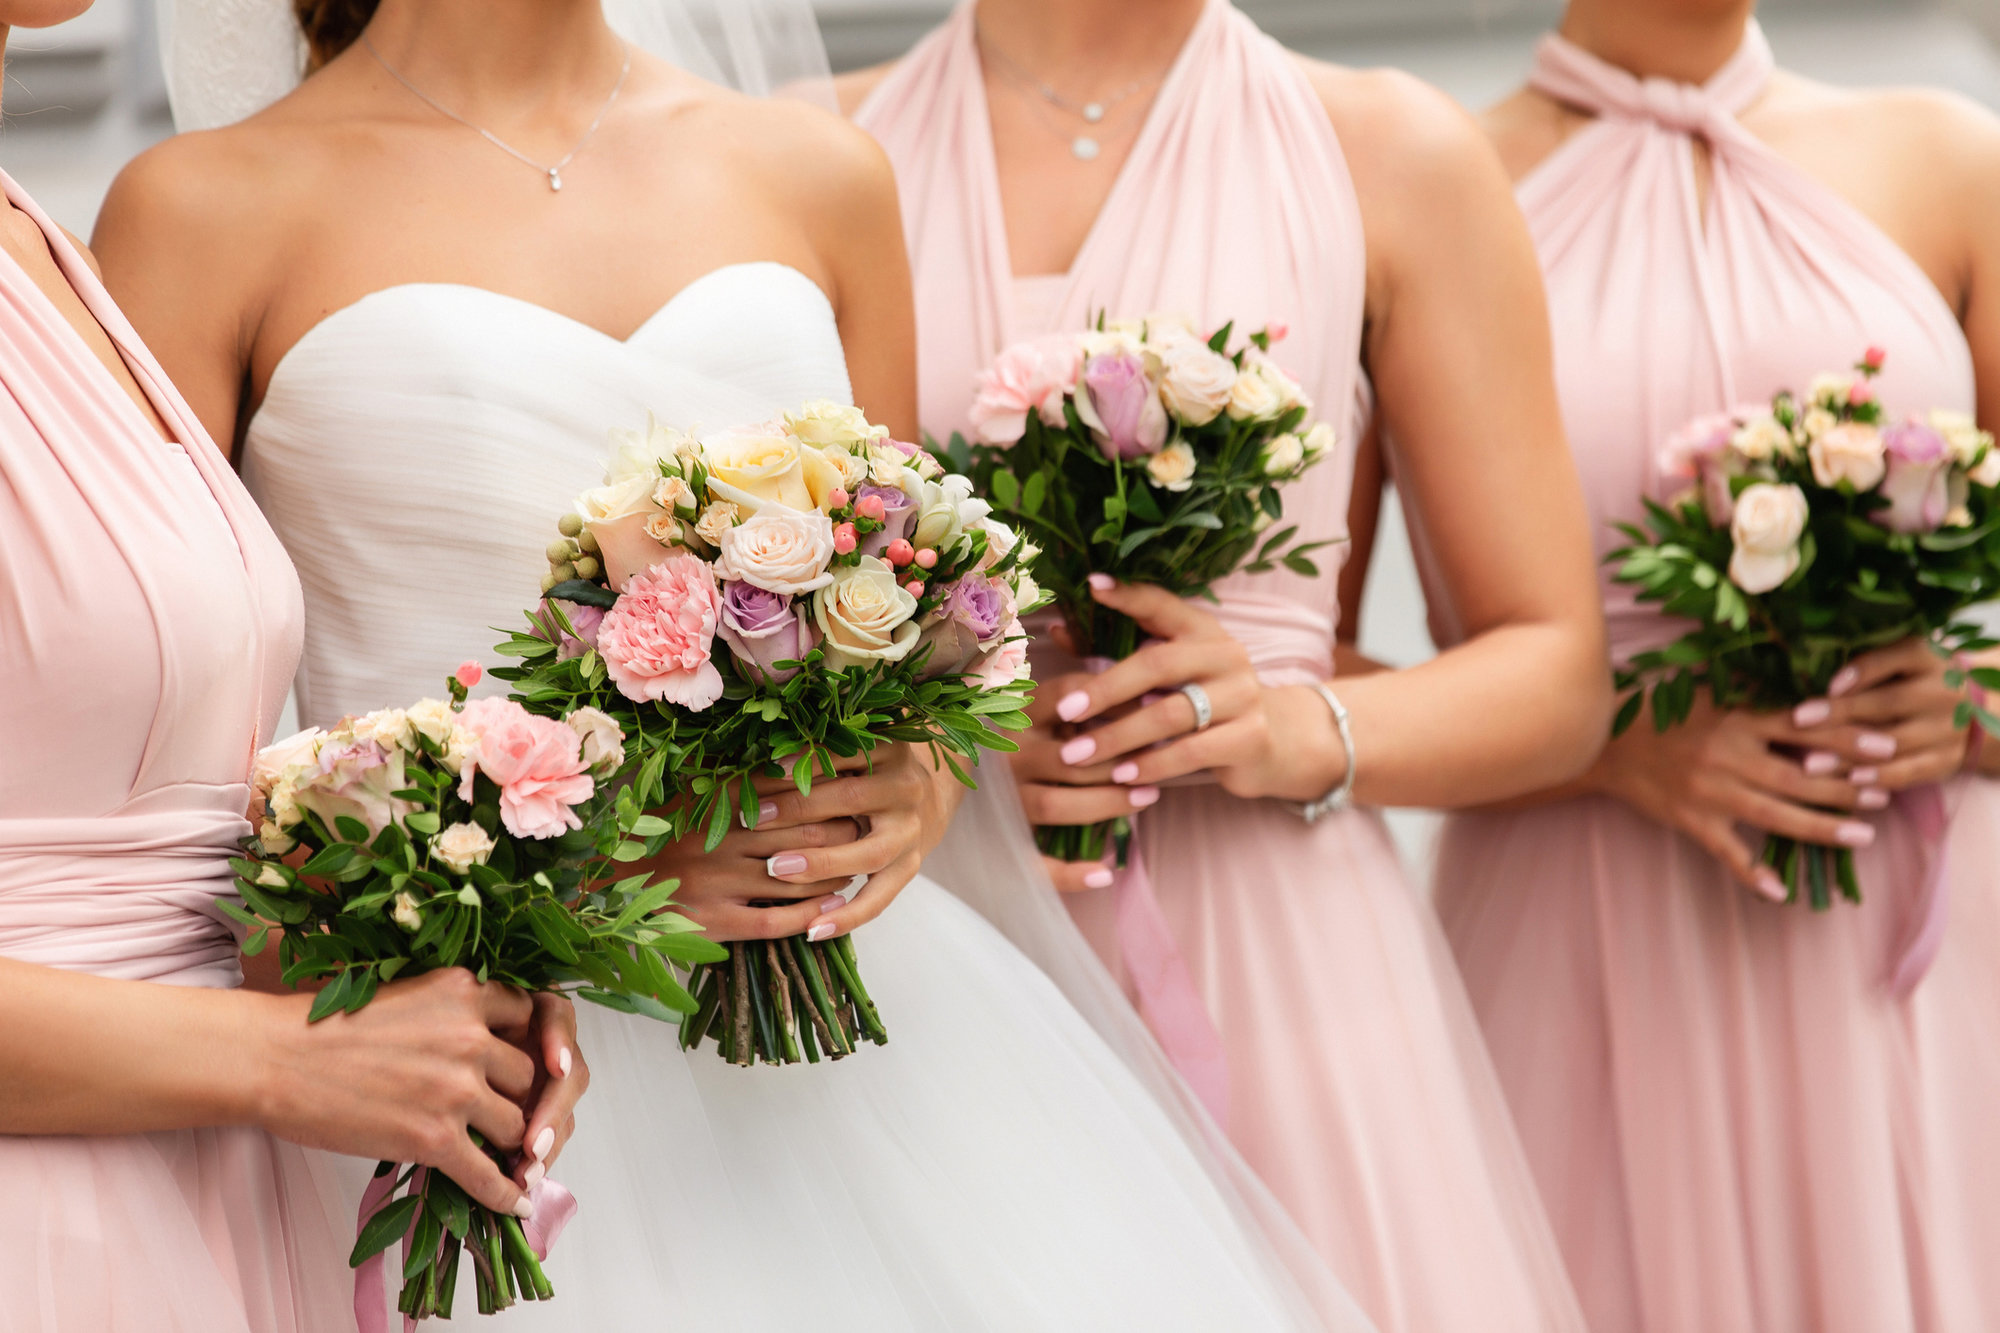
809,151
1525,127
1407,144
855,87
82,249
1930,134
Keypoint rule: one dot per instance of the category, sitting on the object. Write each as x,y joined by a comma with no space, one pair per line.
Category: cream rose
603,747
438,723
1320,441
1829,391
852,467
462,846
1816,422
757,466
937,518
1766,527
640,455
1284,455
274,840
1263,391
389,728
1851,452
716,520
1172,469
405,913
824,423
864,616
674,495
663,528
1761,438
778,549
280,757
616,516
1195,383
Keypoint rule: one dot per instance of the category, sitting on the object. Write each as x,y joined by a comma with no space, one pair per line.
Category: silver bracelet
1343,795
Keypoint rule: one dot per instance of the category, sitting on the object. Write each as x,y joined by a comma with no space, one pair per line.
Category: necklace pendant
1083,148
1093,112
555,179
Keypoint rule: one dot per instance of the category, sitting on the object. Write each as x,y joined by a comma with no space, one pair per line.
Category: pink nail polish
833,904
1875,745
1073,706
543,1142
1811,713
1125,772
533,1175
564,1063
821,930
1843,680
1769,884
1102,582
783,864
1144,796
1853,833
1872,798
524,1208
1099,878
1863,777
1822,762
766,811
1078,750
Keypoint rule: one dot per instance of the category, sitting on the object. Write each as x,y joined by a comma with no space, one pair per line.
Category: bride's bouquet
1142,450
1808,533
453,834
761,603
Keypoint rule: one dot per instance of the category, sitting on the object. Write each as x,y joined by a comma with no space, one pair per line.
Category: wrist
1322,758
260,1087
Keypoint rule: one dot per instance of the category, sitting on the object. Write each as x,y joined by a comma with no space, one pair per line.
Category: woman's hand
1888,718
404,1078
718,888
561,1078
1720,768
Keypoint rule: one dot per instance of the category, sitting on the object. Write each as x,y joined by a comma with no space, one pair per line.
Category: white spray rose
1829,391
1319,441
462,846
1761,438
640,455
292,752
405,912
603,740
717,519
674,495
1284,455
1172,469
1766,527
822,423
1816,422
1851,452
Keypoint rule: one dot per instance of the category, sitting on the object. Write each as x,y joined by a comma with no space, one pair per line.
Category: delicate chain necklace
554,171
1084,147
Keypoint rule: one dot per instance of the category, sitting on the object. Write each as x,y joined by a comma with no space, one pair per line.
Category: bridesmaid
1747,1116
150,1109
1055,159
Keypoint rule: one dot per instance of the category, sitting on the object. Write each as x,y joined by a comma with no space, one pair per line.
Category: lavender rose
1918,483
1118,401
584,620
969,621
899,511
763,628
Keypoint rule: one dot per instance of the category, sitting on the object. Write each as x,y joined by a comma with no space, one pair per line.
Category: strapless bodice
415,449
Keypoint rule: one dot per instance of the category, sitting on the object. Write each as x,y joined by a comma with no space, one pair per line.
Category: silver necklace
1084,147
554,171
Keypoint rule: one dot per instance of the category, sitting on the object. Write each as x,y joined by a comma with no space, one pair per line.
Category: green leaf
331,999
584,593
1628,712
1006,489
423,821
350,828
1034,492
1143,504
382,1230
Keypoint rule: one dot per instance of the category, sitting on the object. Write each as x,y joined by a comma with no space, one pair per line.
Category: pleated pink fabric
1356,1083
1735,1124
149,622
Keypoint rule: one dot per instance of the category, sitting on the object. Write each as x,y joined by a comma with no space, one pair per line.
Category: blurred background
82,98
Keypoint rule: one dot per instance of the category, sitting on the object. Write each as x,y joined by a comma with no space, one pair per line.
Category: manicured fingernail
1073,706
1811,713
1822,762
1875,745
543,1142
1102,582
533,1175
1079,749
1872,798
766,811
563,1063
1144,796
833,904
1769,884
821,930
524,1208
1099,878
1863,777
783,864
1125,772
1853,833
1843,680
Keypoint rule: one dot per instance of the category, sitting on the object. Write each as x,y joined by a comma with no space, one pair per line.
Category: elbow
1580,724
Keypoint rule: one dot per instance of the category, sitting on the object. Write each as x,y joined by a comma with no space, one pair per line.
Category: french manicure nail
833,904
1875,745
563,1063
1073,705
533,1175
1863,777
1099,878
766,811
524,1208
1769,884
1872,798
1125,772
1079,750
543,1142
1843,680
1822,762
783,864
1811,713
821,930
1102,582
1853,833
1144,796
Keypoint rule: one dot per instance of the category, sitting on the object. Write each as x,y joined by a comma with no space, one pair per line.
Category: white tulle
1018,1157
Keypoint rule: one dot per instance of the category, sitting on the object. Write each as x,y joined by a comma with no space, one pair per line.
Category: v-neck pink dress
149,623
1356,1086
1737,1125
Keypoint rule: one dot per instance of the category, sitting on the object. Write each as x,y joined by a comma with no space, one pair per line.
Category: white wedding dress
997,1165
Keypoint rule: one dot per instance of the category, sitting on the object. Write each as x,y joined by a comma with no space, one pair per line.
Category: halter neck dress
1736,1123
1355,1081
149,622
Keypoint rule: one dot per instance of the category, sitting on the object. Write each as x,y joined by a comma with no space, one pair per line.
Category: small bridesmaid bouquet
1142,450
761,603
1808,533
454,834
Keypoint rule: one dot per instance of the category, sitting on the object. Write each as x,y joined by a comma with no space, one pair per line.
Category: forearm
82,1054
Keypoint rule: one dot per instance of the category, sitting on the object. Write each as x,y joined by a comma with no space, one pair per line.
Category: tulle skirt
193,1231
1358,1086
995,1166
1736,1126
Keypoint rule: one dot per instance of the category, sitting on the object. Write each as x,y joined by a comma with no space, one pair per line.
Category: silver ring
1203,714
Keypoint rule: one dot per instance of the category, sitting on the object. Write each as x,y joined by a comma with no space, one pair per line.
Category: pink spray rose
1006,664
656,641
763,627
537,762
1918,484
1027,377
1118,401
355,778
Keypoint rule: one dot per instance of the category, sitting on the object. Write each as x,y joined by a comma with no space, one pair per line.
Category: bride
416,292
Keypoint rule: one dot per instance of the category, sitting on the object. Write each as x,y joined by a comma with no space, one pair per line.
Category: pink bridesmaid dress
1736,1123
149,622
1355,1081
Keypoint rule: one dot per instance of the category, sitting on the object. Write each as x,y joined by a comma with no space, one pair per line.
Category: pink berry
1861,392
870,506
901,552
469,674
915,587
844,540
837,498
927,558
1277,332
1874,357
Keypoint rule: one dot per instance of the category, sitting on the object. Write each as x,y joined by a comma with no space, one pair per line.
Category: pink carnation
1027,377
537,762
657,640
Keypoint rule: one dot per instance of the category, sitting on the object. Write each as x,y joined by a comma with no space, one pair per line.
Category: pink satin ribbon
1168,1000
1931,817
554,1208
